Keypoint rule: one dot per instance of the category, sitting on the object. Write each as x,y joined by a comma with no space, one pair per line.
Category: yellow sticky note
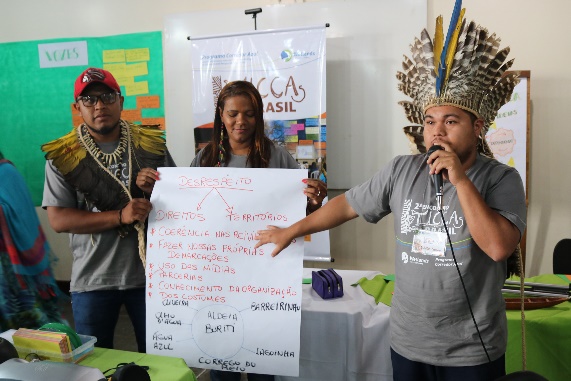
137,88
137,69
124,81
136,55
117,69
117,55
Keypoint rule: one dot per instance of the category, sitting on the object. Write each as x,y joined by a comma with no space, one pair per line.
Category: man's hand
137,209
280,237
448,163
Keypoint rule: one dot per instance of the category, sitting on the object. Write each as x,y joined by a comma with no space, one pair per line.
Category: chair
562,257
522,375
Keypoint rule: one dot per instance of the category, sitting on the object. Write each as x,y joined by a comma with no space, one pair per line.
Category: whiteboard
365,44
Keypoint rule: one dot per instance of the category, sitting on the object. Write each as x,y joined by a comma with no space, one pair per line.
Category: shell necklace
104,159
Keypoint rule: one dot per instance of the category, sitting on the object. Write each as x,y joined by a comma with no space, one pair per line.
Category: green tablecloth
161,368
548,337
381,287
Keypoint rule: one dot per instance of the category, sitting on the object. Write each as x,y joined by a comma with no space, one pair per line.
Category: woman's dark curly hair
216,152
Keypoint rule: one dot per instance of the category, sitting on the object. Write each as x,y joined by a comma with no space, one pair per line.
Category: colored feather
452,44
438,41
150,137
419,69
416,138
442,67
65,152
413,112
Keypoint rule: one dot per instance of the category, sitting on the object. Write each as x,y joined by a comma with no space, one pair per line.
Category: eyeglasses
91,100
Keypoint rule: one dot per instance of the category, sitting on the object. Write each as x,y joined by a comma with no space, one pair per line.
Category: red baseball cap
93,75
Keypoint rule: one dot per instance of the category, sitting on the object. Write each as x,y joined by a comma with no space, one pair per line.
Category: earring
221,150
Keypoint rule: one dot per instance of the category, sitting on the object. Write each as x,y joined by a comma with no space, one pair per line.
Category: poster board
212,298
509,135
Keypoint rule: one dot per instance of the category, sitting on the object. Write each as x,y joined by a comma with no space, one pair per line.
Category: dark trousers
407,370
95,313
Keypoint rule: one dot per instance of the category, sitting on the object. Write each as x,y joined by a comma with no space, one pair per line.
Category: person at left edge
29,294
90,193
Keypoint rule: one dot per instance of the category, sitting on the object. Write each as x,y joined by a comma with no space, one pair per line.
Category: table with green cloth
548,330
548,336
161,368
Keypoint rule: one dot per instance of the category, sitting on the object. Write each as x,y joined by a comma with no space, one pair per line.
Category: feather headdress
466,71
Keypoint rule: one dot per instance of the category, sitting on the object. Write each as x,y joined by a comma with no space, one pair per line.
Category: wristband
123,229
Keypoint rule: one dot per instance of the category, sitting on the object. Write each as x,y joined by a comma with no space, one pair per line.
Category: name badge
429,243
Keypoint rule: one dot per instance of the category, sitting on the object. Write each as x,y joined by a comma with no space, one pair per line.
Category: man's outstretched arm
334,213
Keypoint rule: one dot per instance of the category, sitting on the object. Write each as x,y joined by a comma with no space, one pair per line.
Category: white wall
536,32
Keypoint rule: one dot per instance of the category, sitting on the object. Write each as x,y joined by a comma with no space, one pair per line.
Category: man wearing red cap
90,193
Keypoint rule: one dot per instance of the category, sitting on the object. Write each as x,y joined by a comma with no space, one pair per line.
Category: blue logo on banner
286,55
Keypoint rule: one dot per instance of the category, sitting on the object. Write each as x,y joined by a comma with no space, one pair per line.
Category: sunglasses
91,100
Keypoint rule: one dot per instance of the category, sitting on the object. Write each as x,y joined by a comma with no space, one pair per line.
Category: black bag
327,283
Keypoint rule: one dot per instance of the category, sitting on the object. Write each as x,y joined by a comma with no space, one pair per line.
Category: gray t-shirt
430,318
101,261
279,158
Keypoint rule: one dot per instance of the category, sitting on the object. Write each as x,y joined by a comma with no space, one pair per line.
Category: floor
125,337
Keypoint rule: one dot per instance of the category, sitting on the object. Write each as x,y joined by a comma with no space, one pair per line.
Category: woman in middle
239,140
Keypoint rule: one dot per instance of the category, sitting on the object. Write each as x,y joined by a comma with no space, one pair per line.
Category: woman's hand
146,179
316,191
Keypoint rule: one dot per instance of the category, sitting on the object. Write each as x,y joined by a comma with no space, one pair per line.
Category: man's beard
105,130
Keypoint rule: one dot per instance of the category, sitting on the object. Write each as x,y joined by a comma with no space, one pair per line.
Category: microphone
437,178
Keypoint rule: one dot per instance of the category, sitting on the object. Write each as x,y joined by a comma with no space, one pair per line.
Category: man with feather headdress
447,318
90,192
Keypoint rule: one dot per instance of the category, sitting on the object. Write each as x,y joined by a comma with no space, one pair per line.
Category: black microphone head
434,148
437,177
